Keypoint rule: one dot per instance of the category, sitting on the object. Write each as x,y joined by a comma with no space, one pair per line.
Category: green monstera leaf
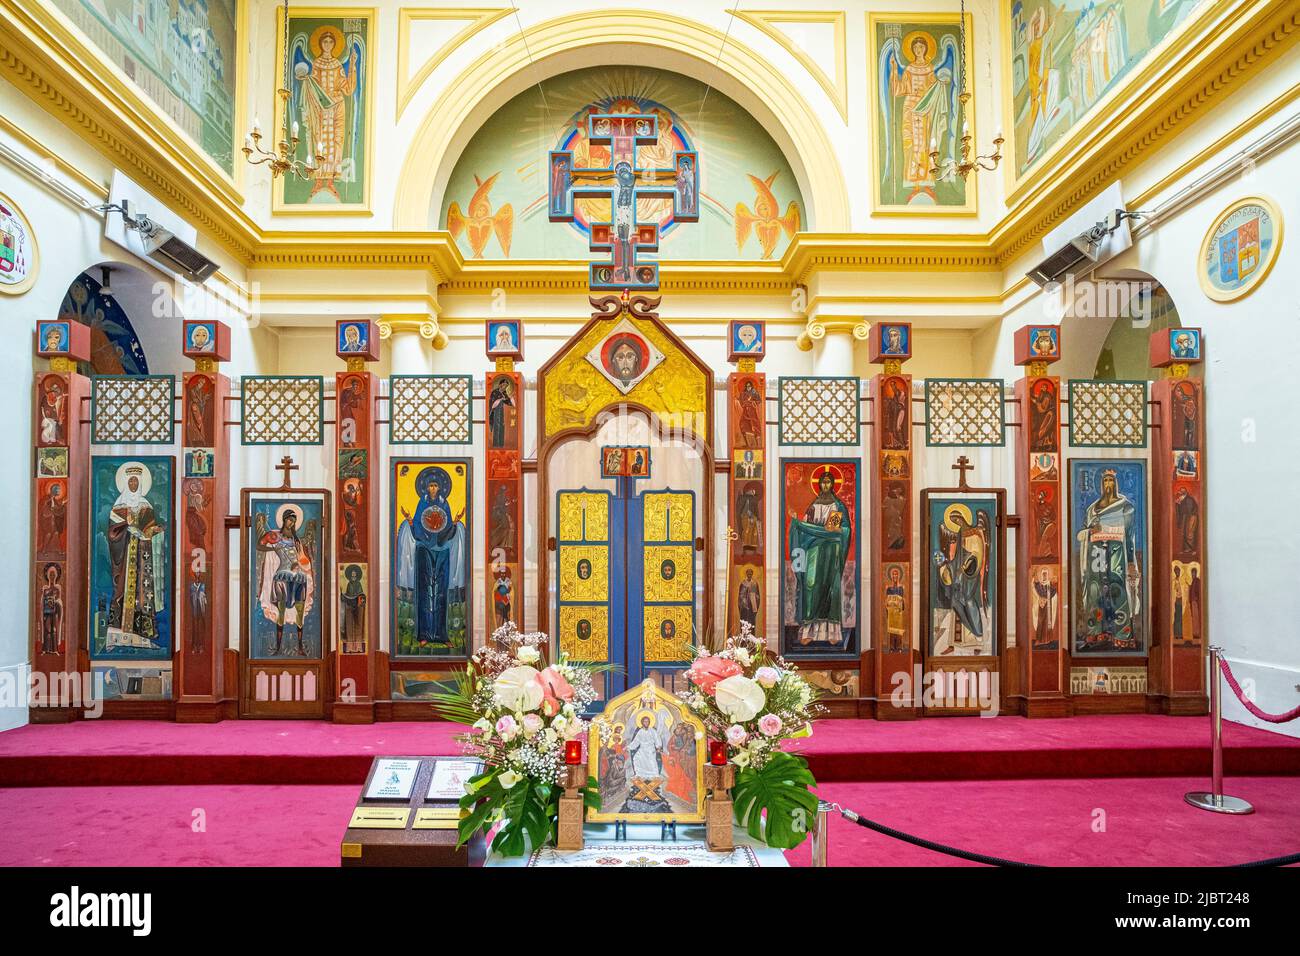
774,803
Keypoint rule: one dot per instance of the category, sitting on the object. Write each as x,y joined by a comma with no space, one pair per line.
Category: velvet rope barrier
984,858
1290,715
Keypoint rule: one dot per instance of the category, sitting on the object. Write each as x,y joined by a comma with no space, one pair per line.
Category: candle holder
719,778
573,777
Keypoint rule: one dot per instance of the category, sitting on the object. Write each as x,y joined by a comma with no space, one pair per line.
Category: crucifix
622,182
963,465
286,465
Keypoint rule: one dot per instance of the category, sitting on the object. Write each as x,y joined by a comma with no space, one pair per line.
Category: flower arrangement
755,701
521,712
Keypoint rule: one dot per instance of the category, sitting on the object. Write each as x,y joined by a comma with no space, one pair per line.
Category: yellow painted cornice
46,57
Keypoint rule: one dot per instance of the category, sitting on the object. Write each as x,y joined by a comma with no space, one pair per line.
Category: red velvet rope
1249,705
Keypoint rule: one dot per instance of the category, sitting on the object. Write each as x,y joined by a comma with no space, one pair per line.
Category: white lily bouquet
521,711
754,701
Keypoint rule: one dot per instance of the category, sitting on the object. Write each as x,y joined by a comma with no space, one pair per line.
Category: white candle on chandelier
294,129
257,126
248,143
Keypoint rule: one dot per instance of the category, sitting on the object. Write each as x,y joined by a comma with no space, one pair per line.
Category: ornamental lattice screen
1107,414
282,410
965,412
819,410
430,409
132,409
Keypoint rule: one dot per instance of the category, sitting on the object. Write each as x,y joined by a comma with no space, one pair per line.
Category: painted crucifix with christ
623,182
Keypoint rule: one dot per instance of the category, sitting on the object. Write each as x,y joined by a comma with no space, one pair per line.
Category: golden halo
837,477
930,45
314,41
951,510
644,712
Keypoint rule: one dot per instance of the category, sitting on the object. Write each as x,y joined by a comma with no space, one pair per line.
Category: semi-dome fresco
495,204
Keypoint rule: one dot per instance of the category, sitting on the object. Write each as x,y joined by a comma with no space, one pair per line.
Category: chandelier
968,163
284,157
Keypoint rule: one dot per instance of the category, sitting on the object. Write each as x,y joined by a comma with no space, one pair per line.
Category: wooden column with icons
60,549
356,530
1176,668
1039,683
747,583
204,501
504,527
891,660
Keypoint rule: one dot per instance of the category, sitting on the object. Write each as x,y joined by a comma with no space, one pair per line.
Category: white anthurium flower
518,688
509,778
741,758
739,697
482,725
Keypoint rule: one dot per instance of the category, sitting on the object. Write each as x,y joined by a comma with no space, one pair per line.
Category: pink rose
736,735
507,728
554,690
767,676
532,724
770,725
707,671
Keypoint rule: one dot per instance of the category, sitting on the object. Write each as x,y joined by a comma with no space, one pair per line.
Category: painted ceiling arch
495,202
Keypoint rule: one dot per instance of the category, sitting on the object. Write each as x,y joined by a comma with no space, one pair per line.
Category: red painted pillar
503,573
61,463
356,530
889,468
1039,684
747,485
1176,674
204,502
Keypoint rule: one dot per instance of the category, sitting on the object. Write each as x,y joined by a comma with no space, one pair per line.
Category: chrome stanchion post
821,835
1216,801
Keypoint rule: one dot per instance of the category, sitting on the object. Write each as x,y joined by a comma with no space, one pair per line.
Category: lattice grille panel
1108,414
430,409
964,411
282,410
819,411
132,409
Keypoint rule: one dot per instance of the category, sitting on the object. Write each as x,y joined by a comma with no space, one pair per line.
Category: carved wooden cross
623,183
963,465
286,465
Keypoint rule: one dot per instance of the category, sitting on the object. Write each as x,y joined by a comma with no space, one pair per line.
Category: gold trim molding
767,22
407,84
44,55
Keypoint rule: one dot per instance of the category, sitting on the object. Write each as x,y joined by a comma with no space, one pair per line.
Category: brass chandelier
967,164
284,157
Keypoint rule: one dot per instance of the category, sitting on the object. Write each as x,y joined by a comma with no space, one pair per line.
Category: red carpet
109,753
1039,821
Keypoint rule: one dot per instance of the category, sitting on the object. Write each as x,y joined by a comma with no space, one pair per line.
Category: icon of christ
821,538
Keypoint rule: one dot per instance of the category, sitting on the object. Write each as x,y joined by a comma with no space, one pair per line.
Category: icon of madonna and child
431,558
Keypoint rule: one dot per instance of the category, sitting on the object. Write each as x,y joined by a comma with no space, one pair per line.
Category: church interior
764,431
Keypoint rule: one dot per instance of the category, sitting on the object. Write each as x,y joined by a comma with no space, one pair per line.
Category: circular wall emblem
19,258
1240,248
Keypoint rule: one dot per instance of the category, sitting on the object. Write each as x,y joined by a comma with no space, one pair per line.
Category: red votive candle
718,753
573,752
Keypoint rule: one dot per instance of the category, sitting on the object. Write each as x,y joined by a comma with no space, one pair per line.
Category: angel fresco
919,114
766,220
962,583
479,222
328,95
